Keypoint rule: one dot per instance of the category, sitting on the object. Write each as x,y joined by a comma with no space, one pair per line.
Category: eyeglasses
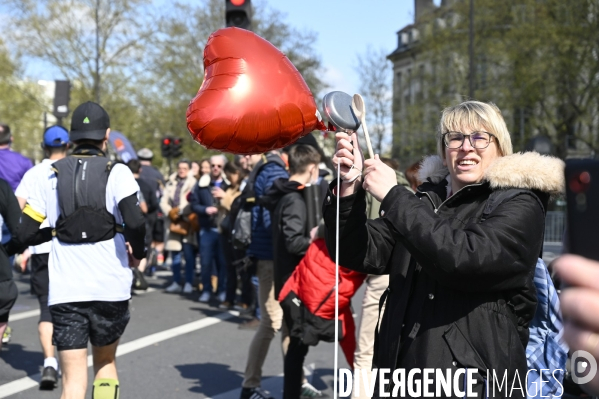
478,140
216,166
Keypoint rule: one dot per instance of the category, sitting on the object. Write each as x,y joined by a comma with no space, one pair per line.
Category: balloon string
337,280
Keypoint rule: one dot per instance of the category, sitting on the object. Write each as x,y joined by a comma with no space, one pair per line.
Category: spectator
156,220
151,204
461,290
204,201
234,175
205,167
195,170
261,248
412,176
291,237
181,239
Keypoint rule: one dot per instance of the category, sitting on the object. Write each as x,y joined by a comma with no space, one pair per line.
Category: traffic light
176,151
62,95
166,147
238,13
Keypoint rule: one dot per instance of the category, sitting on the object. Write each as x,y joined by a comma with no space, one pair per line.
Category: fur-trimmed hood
528,170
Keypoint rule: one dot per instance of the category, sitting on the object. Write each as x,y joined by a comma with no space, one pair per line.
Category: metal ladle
359,109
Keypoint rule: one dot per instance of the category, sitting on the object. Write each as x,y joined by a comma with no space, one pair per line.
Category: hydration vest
81,185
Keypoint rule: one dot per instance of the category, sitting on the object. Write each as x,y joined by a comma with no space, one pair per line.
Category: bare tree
375,86
98,43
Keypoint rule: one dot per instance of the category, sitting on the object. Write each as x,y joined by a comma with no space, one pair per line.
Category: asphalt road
174,347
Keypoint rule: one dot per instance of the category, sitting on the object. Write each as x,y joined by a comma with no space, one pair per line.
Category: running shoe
7,334
49,378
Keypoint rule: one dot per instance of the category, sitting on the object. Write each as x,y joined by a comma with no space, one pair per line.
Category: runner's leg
74,373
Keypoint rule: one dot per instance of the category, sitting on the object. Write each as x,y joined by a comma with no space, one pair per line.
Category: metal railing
555,224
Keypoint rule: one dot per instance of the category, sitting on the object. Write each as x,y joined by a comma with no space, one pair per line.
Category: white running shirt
91,271
27,187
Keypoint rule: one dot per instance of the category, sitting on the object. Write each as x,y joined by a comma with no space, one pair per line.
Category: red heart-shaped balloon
252,99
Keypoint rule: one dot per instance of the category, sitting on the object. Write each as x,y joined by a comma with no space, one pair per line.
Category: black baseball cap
89,121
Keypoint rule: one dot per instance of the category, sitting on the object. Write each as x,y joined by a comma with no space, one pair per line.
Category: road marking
32,381
35,313
23,315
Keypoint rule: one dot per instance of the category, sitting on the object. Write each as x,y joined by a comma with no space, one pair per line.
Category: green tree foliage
178,70
537,60
142,63
21,107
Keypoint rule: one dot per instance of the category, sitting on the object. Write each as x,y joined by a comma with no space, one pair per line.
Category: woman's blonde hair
475,115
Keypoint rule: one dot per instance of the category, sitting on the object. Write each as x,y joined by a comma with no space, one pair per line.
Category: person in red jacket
308,302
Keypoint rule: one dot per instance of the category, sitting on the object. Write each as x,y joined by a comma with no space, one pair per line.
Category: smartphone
582,196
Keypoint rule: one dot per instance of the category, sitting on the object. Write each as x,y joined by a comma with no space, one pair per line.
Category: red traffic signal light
166,147
176,150
238,13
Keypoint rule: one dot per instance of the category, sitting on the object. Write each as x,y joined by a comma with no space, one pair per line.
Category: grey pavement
176,347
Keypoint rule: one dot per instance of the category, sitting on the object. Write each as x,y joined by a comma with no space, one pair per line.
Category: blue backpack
546,349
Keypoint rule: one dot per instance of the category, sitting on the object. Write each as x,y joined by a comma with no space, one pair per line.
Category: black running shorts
8,297
76,323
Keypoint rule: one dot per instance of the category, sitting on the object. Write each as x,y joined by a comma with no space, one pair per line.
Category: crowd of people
446,251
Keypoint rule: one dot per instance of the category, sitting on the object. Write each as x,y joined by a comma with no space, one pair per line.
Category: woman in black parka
461,291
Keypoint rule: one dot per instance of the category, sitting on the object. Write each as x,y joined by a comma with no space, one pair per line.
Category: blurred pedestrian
9,215
234,175
13,165
155,220
412,176
151,206
195,169
181,239
205,200
461,290
55,145
266,168
98,232
292,234
205,167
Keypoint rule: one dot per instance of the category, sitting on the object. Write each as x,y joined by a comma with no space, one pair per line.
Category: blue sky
346,28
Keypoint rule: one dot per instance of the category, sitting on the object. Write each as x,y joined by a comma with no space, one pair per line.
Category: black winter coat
461,291
290,233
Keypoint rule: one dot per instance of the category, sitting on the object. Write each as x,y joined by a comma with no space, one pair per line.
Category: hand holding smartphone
582,196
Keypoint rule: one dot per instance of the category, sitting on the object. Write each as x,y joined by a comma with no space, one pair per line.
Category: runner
99,231
55,144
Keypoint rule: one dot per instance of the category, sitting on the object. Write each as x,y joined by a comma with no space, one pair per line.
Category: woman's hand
379,178
580,306
352,159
